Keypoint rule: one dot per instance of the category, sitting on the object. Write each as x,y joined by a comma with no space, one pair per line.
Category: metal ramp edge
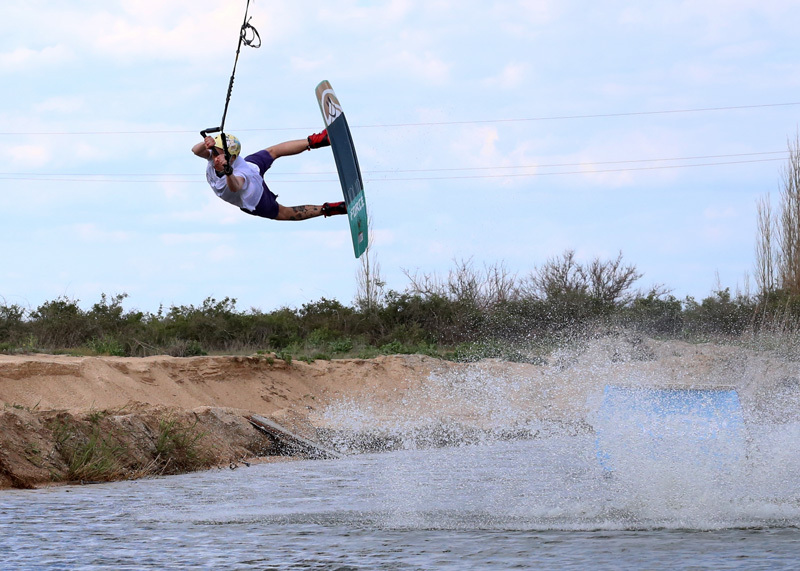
293,442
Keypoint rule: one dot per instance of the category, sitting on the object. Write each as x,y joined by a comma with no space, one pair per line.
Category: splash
521,441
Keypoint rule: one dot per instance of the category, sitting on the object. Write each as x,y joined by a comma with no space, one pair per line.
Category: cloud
223,254
59,104
305,65
489,143
719,213
30,155
538,12
422,66
717,234
382,237
178,191
714,21
126,37
150,29
192,238
26,59
90,153
603,157
213,210
320,239
510,77
95,234
379,15
523,17
496,153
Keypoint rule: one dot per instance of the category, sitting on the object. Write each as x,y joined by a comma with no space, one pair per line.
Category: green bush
106,346
61,323
12,324
719,313
469,315
655,315
341,345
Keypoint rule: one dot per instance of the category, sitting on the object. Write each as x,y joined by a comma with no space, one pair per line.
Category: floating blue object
699,426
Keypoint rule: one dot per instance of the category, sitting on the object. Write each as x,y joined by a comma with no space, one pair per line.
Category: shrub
12,325
655,314
471,313
719,313
177,447
106,346
61,323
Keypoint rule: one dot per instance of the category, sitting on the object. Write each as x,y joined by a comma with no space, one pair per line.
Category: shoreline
67,419
70,419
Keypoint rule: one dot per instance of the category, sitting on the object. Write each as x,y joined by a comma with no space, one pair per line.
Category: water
545,503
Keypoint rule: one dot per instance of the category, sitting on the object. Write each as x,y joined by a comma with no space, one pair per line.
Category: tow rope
248,36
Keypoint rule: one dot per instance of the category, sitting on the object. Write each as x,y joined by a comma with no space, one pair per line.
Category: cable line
248,36
7,176
589,116
421,124
584,172
447,169
556,165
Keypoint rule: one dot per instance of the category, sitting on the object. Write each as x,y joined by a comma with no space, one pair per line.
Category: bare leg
298,212
306,211
288,148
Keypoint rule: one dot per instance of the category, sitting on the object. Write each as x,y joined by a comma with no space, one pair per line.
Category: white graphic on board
330,106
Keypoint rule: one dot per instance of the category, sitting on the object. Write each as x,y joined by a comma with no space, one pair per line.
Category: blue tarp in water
699,426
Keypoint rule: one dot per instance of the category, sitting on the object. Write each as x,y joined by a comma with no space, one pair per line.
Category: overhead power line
580,164
586,168
584,172
395,171
588,116
419,124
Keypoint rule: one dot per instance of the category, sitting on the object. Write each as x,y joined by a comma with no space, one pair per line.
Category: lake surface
545,503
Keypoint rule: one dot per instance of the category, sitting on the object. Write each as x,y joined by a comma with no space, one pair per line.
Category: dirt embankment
101,418
98,418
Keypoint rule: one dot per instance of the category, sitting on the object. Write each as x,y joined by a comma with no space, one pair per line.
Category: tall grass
89,453
94,451
177,447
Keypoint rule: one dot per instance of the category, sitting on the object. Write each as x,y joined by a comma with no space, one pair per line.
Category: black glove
228,170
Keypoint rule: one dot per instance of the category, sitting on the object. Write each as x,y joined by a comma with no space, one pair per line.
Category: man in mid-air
240,181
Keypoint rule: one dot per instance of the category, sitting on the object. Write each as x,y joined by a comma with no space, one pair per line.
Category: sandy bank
53,402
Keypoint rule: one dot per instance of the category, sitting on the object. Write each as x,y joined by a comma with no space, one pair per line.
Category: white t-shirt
251,191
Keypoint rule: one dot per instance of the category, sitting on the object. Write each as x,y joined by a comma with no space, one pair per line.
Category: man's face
219,158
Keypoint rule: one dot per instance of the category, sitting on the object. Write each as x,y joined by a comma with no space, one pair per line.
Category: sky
499,132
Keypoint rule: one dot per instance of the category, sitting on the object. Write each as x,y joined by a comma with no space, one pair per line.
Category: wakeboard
344,153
